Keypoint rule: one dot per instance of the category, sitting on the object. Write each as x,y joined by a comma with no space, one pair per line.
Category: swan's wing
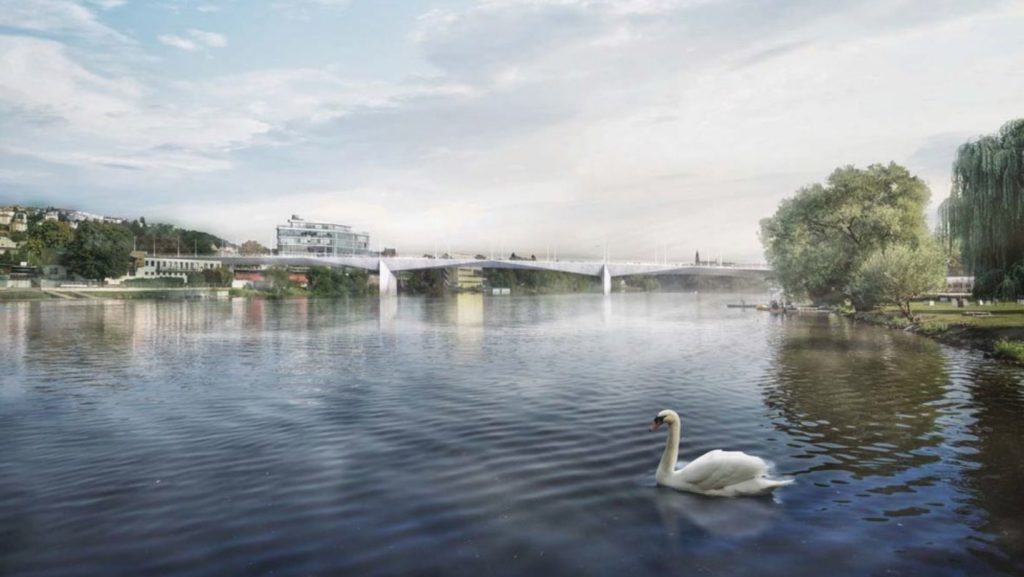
718,469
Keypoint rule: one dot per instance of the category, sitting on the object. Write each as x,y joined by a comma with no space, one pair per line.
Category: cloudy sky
651,126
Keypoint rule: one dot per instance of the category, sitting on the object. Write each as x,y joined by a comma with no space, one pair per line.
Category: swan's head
666,416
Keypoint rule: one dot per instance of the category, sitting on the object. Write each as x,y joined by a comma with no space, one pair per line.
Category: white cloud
306,9
55,17
210,39
108,4
100,120
178,42
194,40
544,122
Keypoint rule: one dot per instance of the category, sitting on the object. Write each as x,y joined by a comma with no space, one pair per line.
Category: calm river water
493,436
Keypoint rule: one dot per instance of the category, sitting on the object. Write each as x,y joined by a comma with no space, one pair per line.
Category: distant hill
16,222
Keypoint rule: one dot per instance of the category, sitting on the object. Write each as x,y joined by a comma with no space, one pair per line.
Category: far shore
110,292
995,329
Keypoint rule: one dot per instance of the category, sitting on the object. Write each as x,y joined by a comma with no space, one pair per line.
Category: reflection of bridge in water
386,267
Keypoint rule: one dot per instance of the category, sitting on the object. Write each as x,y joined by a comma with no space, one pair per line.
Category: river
493,436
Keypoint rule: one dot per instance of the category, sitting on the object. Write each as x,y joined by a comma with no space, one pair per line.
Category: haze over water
493,436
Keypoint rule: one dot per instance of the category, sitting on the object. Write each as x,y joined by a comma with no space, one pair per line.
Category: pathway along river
493,436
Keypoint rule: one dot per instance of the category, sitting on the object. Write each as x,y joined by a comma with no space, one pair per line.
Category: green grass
1006,315
22,295
1007,349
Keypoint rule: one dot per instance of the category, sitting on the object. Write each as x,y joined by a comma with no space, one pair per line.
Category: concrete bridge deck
386,267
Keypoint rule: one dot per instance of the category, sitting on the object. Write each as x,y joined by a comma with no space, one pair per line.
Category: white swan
717,473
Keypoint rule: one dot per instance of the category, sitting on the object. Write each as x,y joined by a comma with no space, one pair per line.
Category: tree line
861,236
98,250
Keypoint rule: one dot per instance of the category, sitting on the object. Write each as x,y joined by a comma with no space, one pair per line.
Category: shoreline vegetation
859,244
995,329
328,283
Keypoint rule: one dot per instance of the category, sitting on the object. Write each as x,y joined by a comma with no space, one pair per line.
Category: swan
716,473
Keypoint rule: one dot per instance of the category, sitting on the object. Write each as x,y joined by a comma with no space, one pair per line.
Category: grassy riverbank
35,294
22,295
995,329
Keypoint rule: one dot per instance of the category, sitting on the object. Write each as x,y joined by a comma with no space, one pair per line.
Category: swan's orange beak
656,425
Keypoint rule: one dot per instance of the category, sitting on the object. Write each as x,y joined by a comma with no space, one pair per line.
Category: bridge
386,267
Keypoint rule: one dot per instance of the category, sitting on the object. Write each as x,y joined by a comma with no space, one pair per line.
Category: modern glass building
307,238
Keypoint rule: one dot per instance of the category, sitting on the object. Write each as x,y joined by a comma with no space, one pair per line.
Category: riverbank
119,293
998,330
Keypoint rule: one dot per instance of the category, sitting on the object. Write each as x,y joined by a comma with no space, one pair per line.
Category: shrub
1007,349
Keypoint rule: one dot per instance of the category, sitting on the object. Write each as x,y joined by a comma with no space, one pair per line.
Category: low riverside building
257,279
464,279
165,267
309,238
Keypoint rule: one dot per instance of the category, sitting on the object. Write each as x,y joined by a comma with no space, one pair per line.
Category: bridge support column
388,281
606,279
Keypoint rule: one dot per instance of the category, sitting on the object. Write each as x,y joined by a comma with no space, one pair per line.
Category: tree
215,277
899,274
251,247
280,280
985,208
47,240
99,250
817,240
161,238
336,282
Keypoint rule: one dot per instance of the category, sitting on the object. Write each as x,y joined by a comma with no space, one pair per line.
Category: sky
644,128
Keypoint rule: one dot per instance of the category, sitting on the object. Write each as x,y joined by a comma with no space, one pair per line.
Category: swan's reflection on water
721,517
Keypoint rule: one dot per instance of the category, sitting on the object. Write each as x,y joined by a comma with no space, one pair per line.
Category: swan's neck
668,459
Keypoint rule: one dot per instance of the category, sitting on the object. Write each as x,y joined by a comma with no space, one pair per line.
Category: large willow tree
984,213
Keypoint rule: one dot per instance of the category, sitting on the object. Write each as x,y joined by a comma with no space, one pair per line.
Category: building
161,267
19,223
7,245
308,238
6,216
464,279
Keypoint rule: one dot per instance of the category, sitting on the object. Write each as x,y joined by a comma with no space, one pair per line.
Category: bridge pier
606,279
388,281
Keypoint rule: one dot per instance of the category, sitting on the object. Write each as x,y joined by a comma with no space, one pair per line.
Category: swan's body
717,473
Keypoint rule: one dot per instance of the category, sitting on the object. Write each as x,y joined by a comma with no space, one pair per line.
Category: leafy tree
539,281
251,247
33,219
99,250
47,240
336,282
213,277
427,281
646,283
985,208
817,240
899,274
162,238
280,281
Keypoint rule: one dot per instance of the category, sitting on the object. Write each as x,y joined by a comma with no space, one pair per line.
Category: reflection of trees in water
864,397
997,481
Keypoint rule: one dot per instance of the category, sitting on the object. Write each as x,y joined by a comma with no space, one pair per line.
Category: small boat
742,306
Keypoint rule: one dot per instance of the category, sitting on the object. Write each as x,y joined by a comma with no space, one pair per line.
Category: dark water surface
498,436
